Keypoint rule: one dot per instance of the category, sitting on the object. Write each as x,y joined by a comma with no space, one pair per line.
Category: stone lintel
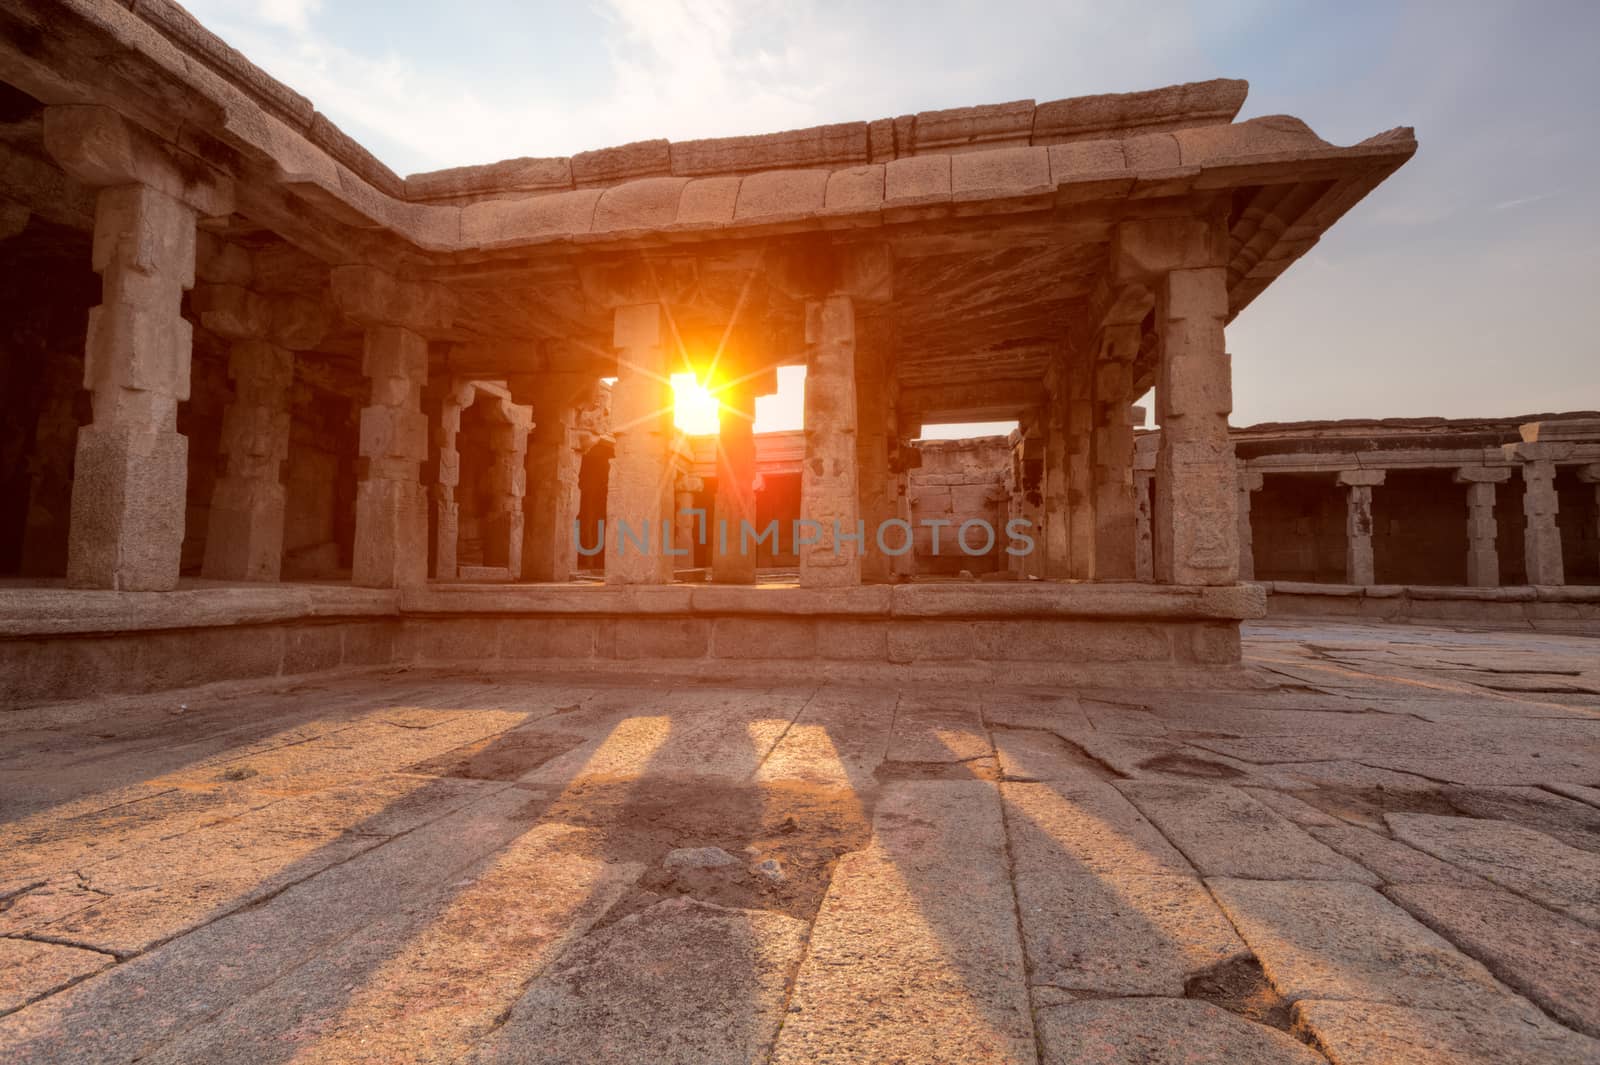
1361,478
372,297
815,269
1144,249
1482,475
102,149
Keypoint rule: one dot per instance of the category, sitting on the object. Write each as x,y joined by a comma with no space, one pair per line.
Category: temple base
57,643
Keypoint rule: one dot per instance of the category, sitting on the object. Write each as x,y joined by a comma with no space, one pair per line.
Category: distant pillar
829,494
1358,524
244,537
1483,557
1590,475
1144,550
1057,540
686,526
1250,482
551,467
391,547
1112,452
872,459
446,507
1541,539
1030,473
131,467
736,487
639,496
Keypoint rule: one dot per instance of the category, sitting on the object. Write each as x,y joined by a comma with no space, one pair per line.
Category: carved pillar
1144,531
507,484
1590,475
1358,567
829,492
1483,557
1541,539
1112,453
639,496
391,545
1057,539
130,473
446,507
1250,482
1182,261
736,486
872,456
553,463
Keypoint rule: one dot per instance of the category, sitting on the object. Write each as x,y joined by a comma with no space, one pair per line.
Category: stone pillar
1358,567
872,459
1250,482
903,567
1112,453
550,505
1182,261
639,493
1483,557
1590,475
829,492
1057,539
391,546
1144,549
1541,539
503,524
244,540
1029,474
446,507
391,543
686,526
1080,472
736,487
131,468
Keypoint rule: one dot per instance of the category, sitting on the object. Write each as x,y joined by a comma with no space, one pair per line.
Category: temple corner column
1250,482
1358,485
639,496
1483,555
131,466
829,487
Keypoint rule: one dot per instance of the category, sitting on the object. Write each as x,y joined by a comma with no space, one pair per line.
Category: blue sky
1461,287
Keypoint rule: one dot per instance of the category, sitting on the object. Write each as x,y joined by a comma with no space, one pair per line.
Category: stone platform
59,643
1553,608
1387,851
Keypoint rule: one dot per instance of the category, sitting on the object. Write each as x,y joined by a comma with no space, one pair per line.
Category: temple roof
998,217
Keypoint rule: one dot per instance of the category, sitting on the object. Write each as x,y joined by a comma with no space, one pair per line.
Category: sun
694,408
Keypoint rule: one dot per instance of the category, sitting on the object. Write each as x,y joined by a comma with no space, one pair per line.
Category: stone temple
385,677
252,354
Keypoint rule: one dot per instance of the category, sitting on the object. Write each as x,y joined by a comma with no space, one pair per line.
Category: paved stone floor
1389,852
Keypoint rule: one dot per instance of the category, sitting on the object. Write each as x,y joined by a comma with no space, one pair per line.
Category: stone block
912,181
763,638
104,150
375,297
548,638
127,509
139,349
709,201
841,639
528,220
1161,1031
642,204
859,188
30,970
394,433
1377,1032
1147,250
396,359
625,162
1080,159
391,542
1155,151
834,145
312,648
963,128
646,638
782,193
999,172
232,312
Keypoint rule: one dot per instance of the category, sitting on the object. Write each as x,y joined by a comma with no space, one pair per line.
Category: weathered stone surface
922,926
1225,832
1161,1031
1392,860
1369,1033
30,970
1327,940
1528,862
683,981
1547,957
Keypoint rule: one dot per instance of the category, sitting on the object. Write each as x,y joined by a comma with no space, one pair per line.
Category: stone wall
960,481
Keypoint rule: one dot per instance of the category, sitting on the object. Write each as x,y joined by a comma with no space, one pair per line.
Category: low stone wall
57,644
1556,608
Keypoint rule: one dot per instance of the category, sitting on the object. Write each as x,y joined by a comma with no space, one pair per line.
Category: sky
1459,288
